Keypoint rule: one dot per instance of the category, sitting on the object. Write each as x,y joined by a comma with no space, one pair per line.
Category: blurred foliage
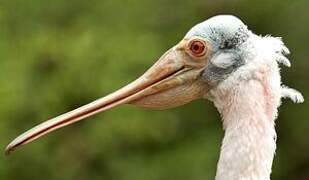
57,55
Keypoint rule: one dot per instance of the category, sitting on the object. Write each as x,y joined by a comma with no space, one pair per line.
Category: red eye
198,48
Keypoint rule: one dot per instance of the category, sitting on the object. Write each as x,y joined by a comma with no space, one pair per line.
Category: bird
220,60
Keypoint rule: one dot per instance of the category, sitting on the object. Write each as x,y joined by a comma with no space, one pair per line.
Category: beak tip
9,149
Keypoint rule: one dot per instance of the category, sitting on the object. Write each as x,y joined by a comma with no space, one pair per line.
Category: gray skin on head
226,34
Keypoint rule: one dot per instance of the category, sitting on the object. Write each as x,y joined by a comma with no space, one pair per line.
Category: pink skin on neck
248,109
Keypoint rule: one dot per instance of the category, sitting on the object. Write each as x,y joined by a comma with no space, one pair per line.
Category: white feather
293,94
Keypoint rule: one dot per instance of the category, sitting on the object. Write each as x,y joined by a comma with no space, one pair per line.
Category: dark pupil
196,47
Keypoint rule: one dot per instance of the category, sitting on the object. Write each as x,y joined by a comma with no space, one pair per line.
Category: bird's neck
248,147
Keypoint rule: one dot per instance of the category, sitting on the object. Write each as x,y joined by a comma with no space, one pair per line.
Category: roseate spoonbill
220,60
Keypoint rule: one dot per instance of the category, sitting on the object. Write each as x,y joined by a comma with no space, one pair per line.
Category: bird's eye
197,48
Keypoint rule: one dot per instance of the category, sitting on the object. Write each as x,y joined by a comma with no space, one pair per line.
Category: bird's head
208,54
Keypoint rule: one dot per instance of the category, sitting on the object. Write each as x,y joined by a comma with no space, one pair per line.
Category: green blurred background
57,55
